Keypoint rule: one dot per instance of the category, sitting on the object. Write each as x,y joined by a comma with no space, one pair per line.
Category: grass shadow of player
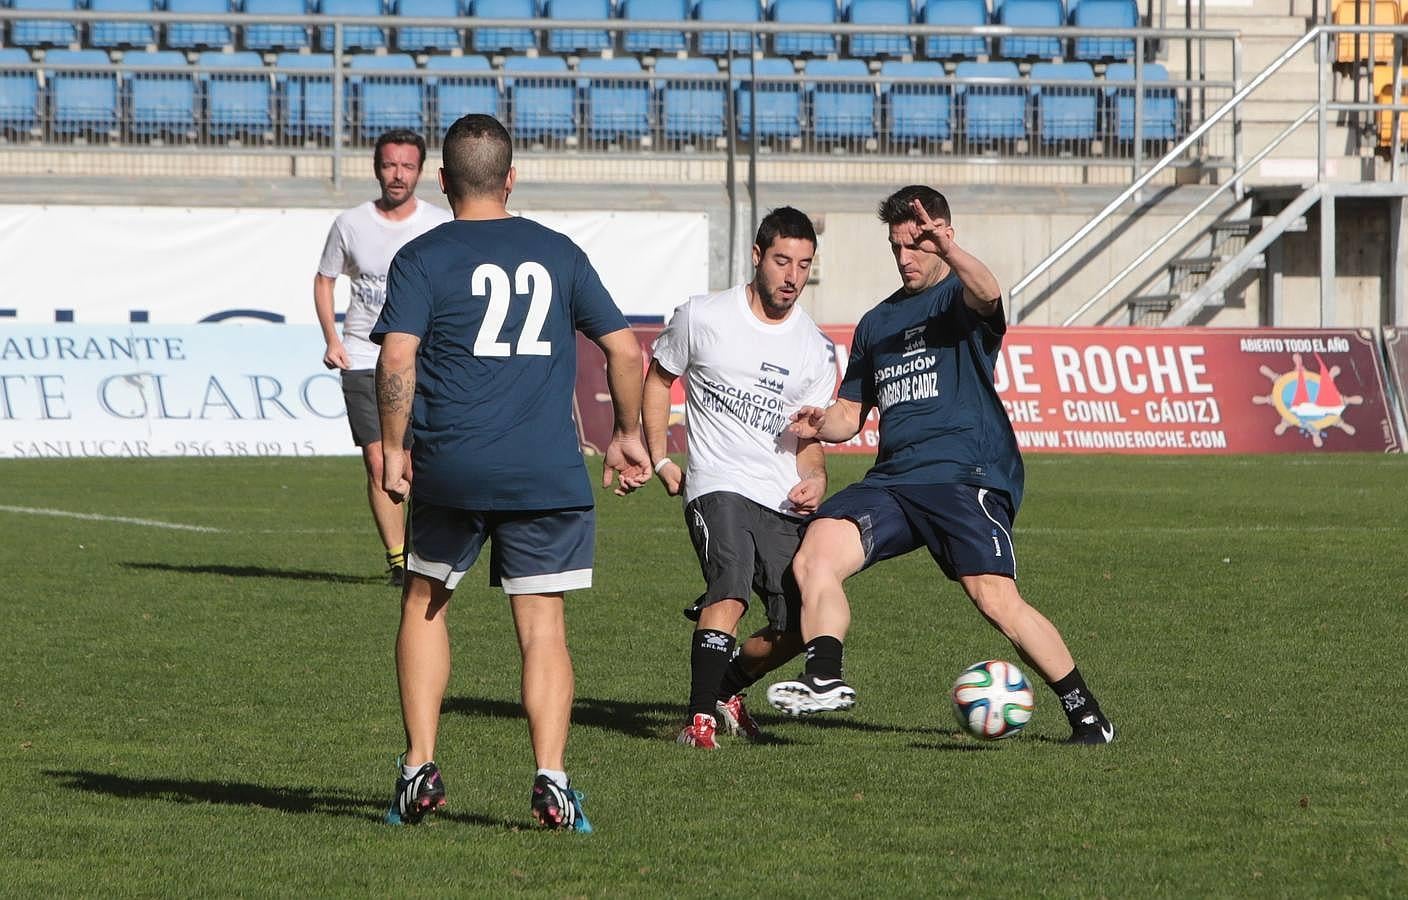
257,572
648,719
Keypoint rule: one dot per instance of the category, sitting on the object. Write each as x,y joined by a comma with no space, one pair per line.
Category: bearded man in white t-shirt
360,244
750,358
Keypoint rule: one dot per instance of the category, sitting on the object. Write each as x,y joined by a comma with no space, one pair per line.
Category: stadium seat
540,107
461,85
616,108
992,112
842,111
1384,95
238,96
192,36
716,43
1031,14
1355,48
655,11
503,40
916,112
1105,14
955,12
1065,112
880,12
82,103
117,35
388,94
44,32
306,111
578,40
161,99
691,110
1160,104
276,37
822,12
425,39
354,37
19,93
779,113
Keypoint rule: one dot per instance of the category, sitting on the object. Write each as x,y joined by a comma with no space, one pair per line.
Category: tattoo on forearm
394,390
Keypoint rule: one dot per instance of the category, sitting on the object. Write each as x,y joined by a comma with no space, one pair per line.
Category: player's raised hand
672,476
396,474
806,494
932,234
626,458
806,422
336,356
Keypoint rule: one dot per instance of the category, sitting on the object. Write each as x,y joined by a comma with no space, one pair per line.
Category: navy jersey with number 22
496,304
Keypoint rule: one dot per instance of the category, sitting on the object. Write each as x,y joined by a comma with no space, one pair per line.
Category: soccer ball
992,699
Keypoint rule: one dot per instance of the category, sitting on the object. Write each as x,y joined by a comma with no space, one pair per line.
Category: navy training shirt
496,304
926,362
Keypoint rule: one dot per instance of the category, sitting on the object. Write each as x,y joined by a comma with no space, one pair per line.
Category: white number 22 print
489,279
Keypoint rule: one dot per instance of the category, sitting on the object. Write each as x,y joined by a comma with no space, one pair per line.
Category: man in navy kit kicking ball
948,474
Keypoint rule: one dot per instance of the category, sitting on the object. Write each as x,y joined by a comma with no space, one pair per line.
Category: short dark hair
785,222
399,136
477,155
896,209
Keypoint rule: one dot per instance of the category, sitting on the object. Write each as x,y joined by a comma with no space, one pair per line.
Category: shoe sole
421,813
792,698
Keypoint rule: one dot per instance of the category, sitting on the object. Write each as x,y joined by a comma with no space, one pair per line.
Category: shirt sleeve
409,300
671,349
823,384
856,384
594,313
334,253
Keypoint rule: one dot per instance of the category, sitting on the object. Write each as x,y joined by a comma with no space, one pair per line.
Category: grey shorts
744,549
359,395
530,552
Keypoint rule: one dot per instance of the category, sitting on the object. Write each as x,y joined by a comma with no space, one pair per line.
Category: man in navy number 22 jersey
948,474
478,352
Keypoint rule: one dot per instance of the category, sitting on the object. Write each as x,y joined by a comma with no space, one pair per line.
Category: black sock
823,657
708,658
1075,697
736,679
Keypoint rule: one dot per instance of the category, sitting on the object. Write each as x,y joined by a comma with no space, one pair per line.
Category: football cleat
810,694
699,733
416,797
558,808
733,715
692,612
1093,730
396,576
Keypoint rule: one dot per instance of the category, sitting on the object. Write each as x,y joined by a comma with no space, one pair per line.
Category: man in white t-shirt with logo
750,357
360,244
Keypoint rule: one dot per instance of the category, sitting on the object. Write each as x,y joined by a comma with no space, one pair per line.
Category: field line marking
98,517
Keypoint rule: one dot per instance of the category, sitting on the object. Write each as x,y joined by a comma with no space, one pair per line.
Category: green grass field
214,712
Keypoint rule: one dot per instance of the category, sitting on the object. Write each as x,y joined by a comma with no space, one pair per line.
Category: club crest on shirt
914,340
767,381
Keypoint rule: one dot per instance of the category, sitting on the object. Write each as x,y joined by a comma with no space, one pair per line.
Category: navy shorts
967,529
530,552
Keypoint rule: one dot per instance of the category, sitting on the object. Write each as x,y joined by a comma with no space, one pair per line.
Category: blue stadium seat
691,110
803,43
1160,104
715,43
354,37
1105,14
880,12
1064,112
540,107
44,32
616,108
503,40
189,36
779,112
842,111
114,35
992,112
1031,14
424,39
462,85
954,12
655,11
161,99
238,98
578,40
916,112
388,95
19,93
307,99
81,102
276,37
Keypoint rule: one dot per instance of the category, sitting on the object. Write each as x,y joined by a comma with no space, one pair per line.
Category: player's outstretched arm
395,391
655,412
806,495
836,423
626,455
335,356
981,291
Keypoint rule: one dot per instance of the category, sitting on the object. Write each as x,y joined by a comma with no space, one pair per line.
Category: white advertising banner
173,265
167,390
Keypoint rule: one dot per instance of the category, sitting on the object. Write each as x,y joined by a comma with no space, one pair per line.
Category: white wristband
662,464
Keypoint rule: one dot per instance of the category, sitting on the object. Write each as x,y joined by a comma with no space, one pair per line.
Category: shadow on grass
257,572
239,793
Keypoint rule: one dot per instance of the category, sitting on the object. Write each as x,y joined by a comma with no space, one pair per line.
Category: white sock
558,778
409,772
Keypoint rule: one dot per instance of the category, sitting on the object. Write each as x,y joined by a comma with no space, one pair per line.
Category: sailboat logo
1309,402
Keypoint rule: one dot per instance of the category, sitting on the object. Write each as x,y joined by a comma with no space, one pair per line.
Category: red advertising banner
1396,345
1160,390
